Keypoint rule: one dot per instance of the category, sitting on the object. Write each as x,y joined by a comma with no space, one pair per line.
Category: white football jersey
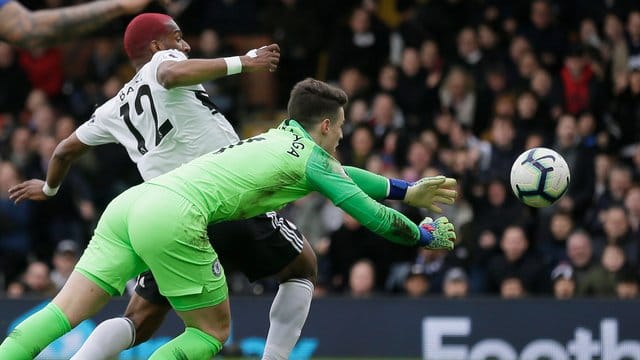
160,128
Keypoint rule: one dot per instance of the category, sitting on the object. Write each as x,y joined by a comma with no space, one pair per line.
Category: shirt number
161,131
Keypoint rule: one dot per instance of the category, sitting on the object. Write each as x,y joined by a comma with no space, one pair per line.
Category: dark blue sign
437,329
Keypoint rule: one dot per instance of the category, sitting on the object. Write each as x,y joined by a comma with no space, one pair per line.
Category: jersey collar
294,127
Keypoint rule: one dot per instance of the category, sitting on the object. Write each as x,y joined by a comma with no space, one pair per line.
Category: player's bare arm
64,155
196,71
32,29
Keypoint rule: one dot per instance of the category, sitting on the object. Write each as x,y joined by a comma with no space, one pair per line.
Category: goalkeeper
238,181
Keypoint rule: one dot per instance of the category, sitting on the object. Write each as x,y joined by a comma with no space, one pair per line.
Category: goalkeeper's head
319,108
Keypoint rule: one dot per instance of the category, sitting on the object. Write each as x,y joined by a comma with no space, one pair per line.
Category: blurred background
453,87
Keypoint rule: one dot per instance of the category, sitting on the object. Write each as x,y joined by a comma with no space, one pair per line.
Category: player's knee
307,267
146,320
221,332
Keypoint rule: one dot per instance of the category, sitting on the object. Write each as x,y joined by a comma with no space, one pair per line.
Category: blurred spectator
231,17
416,284
458,96
627,285
564,283
293,24
545,35
633,39
550,103
106,57
362,142
580,87
36,281
632,206
529,119
619,181
15,290
353,82
615,46
64,259
20,149
456,283
15,220
44,69
580,160
580,254
493,211
618,232
512,288
470,56
385,115
411,91
362,279
496,162
625,110
553,243
602,167
490,41
419,158
494,84
14,84
434,263
601,280
434,65
66,215
361,44
515,261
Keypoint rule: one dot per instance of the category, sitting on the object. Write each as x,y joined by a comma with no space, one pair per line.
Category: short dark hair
313,100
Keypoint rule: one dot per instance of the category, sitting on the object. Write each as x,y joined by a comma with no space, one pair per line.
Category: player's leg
206,328
146,312
63,313
291,304
175,245
144,315
269,245
101,272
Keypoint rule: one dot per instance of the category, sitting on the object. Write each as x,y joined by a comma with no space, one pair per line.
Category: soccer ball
539,177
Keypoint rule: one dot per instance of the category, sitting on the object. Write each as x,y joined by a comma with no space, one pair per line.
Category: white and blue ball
540,177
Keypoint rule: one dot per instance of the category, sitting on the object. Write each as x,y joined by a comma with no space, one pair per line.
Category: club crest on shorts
217,268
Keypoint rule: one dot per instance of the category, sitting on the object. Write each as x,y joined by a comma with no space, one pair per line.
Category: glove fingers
449,183
444,200
434,180
447,227
447,193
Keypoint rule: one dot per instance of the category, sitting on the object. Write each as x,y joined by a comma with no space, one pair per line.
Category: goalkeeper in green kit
161,224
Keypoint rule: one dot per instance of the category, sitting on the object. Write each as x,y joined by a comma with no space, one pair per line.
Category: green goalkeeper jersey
270,170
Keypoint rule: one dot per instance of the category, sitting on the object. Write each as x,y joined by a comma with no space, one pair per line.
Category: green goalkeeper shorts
151,227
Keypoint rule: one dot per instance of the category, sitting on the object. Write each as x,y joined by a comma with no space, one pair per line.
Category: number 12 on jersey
161,131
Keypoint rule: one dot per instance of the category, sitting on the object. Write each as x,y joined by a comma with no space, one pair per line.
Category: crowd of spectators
453,87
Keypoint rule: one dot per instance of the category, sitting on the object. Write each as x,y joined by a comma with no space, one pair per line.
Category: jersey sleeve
95,131
326,175
162,56
374,185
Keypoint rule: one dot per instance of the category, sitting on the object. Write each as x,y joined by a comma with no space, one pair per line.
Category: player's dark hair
312,100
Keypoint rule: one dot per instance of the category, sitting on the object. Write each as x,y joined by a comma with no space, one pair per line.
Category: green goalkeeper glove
430,191
438,234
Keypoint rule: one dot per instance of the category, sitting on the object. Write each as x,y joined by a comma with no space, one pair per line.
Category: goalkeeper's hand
430,191
438,234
